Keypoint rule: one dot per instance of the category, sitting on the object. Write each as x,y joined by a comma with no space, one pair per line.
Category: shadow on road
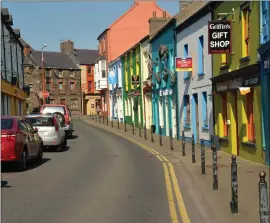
73,137
53,149
5,184
10,167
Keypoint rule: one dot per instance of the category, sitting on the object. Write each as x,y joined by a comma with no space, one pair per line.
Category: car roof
39,115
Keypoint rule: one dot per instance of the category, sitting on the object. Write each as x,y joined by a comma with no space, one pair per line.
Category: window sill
244,59
224,67
205,128
187,126
249,144
224,139
201,74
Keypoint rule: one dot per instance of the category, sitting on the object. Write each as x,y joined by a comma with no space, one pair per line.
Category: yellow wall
230,145
15,94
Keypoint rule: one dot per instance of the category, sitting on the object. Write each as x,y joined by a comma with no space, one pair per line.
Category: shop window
224,114
245,31
250,116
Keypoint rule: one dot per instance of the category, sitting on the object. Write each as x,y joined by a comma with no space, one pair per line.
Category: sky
51,22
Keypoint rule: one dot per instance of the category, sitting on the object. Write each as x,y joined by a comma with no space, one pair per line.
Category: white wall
196,84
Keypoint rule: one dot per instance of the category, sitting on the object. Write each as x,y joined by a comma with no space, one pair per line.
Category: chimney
67,46
27,50
156,23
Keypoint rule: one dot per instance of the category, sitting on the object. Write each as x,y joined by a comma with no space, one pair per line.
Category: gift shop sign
219,37
183,64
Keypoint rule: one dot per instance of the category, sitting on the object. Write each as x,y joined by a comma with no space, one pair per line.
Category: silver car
49,129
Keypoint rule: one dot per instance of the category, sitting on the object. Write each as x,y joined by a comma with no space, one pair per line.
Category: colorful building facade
163,79
13,91
195,87
132,97
116,90
236,83
264,52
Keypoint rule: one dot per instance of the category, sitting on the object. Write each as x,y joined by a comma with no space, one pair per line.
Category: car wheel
40,154
60,147
22,165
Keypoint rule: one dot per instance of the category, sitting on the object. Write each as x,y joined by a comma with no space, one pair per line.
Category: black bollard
263,199
215,167
234,201
171,139
125,125
183,144
133,131
203,156
144,131
112,122
193,149
160,136
118,124
152,134
140,130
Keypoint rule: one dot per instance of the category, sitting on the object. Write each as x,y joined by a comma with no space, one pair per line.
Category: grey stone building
63,79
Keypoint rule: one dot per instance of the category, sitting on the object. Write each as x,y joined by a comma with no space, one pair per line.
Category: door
135,109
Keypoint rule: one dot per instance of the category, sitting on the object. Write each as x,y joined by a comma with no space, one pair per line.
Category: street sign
45,94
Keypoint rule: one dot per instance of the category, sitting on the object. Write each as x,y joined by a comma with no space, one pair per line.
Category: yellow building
13,95
236,83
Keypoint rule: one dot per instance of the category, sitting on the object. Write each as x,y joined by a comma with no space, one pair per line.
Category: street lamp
43,74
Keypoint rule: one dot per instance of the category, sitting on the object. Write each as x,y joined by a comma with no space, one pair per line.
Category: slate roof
58,60
85,56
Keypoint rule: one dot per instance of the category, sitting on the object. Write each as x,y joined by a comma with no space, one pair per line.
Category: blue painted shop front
163,81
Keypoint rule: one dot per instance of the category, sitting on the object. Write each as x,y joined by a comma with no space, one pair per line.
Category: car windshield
41,121
6,123
53,109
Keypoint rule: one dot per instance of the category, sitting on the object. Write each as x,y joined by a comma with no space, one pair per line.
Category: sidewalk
219,200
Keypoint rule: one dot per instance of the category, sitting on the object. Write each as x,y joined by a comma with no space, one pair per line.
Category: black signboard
135,79
252,81
219,37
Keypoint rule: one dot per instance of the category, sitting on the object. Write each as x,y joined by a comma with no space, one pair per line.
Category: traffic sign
45,94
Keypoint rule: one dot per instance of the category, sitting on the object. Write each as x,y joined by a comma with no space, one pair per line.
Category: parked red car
20,142
59,109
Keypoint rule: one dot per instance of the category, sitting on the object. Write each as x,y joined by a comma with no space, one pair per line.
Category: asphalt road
101,178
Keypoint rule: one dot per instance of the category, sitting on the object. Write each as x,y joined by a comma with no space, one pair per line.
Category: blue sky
51,22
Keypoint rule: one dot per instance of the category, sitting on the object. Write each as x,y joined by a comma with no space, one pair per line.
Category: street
100,178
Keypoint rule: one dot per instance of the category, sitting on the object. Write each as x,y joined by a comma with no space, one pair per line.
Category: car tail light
55,124
67,121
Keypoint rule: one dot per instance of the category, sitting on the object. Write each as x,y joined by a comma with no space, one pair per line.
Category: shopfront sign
183,64
219,34
252,81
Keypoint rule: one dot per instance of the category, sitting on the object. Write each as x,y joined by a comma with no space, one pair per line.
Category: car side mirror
35,130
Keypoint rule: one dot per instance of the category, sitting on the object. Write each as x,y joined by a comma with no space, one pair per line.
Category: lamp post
43,74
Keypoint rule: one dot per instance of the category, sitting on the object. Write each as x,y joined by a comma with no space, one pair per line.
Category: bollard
125,125
112,122
215,167
144,131
183,144
107,120
152,136
140,130
133,132
263,199
160,136
118,124
203,156
234,201
171,139
193,149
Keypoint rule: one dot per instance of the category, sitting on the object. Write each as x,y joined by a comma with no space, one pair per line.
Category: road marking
172,206
169,184
179,197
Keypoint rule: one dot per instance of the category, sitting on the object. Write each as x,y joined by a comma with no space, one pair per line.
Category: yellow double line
172,185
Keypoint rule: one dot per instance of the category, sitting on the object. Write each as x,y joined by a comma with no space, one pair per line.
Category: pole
263,199
43,75
203,156
144,131
183,144
125,125
215,167
171,139
160,136
234,201
193,149
140,130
